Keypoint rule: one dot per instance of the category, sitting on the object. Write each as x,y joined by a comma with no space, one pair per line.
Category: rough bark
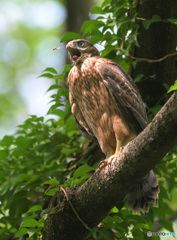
78,12
156,42
93,200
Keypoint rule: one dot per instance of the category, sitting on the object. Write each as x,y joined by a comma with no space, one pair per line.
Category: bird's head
80,49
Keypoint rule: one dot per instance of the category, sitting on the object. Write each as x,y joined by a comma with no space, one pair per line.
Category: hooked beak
73,52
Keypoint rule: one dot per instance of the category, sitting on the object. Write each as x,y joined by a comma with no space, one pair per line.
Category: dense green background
43,153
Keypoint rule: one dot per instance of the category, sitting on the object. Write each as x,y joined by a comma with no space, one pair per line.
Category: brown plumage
108,109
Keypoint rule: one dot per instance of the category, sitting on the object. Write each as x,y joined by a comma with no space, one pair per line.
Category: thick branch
100,193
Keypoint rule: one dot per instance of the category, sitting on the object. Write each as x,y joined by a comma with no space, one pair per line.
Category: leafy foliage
115,27
46,154
39,151
173,87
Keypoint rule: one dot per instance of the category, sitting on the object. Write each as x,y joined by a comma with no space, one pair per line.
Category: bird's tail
145,194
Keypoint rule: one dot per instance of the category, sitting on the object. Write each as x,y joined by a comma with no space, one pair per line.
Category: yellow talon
109,160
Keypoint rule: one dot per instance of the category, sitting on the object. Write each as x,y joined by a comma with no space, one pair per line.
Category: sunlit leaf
114,210
174,21
173,87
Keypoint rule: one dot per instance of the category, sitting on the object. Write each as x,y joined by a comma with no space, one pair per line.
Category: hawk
108,109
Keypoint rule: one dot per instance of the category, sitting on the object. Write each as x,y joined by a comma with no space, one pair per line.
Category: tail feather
145,194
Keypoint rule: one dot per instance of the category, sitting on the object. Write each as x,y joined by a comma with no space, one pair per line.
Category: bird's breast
88,94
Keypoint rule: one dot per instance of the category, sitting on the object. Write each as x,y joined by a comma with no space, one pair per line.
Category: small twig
84,224
140,18
153,60
149,60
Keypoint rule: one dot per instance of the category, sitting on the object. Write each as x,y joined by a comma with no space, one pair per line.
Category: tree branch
93,200
153,60
138,59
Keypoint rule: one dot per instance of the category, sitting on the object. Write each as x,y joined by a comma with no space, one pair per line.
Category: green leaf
132,37
51,192
117,219
70,36
139,78
106,2
147,23
173,87
138,234
54,86
21,232
142,225
67,68
6,141
174,21
91,26
82,170
167,224
57,112
79,181
61,76
47,75
33,179
35,208
51,182
108,49
97,10
51,70
54,187
29,223
21,178
109,222
114,210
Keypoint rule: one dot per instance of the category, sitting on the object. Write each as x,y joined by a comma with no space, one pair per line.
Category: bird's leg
118,149
109,160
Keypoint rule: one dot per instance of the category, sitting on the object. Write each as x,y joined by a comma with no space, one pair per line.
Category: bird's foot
107,161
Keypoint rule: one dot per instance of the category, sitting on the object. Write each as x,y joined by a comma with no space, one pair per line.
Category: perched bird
108,109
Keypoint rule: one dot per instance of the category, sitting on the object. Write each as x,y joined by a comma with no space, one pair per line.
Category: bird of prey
108,109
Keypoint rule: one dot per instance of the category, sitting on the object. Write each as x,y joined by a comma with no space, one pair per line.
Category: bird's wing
86,132
125,93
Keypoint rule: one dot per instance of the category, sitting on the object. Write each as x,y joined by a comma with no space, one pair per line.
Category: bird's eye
81,44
